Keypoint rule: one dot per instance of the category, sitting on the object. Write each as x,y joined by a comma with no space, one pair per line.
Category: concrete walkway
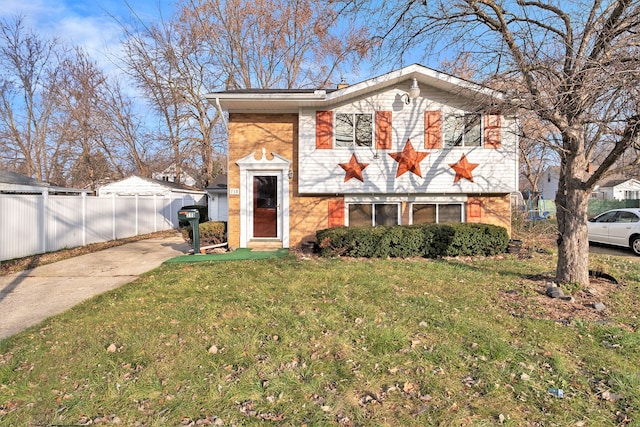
28,297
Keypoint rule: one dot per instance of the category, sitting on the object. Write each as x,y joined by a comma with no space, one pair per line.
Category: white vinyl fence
34,224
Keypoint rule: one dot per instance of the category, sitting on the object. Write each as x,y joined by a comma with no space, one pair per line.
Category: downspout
226,125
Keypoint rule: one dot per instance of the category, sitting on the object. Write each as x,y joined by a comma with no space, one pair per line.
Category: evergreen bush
403,241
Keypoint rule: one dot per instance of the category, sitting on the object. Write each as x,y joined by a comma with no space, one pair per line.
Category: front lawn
317,342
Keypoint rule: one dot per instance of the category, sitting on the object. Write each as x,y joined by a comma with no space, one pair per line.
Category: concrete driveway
28,297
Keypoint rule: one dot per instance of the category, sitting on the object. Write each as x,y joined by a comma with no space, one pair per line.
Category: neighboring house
218,201
169,175
411,146
612,189
139,186
548,184
15,183
619,189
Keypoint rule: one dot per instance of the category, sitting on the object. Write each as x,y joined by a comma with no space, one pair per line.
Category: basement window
432,213
367,214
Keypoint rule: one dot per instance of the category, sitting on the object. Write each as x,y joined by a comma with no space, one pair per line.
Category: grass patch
330,342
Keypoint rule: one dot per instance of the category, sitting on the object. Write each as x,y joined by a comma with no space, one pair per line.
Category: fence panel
64,222
19,231
99,219
126,217
598,206
32,224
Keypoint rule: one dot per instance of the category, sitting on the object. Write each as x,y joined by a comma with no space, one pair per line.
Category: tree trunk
572,202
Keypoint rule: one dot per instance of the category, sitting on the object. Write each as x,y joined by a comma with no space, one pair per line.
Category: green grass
328,342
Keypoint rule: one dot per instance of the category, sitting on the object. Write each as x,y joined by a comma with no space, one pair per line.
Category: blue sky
91,24
86,23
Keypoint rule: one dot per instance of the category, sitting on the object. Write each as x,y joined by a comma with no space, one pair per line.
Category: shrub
211,233
402,241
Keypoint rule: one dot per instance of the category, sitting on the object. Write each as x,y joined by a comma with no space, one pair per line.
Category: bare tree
149,59
126,132
79,95
575,65
28,65
275,43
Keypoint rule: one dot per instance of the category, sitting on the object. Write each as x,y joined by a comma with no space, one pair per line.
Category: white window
462,130
354,130
430,213
366,214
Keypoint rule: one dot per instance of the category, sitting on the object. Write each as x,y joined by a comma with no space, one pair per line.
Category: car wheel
635,245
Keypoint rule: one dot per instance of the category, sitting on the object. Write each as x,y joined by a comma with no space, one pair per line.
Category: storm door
265,206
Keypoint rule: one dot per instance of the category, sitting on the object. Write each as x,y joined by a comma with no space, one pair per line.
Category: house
15,183
618,189
548,183
139,186
169,174
411,146
218,202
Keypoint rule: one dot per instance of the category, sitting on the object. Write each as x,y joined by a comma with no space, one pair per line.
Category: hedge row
211,233
403,241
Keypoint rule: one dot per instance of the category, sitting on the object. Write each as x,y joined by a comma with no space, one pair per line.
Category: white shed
139,186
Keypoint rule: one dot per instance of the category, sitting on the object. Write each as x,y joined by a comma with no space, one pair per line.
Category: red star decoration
408,159
463,169
353,168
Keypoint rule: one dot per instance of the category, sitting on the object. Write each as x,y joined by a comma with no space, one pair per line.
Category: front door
265,206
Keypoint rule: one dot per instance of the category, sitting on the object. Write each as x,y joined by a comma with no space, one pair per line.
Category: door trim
250,167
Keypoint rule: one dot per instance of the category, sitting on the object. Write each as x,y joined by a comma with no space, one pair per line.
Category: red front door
265,206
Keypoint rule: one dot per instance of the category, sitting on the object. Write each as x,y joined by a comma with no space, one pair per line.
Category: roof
13,182
292,99
615,182
7,177
219,184
173,186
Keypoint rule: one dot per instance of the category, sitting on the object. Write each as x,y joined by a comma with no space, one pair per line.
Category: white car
618,227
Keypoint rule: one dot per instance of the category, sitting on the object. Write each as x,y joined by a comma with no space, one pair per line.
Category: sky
87,23
93,25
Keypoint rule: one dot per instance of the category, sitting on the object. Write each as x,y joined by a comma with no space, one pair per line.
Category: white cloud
88,24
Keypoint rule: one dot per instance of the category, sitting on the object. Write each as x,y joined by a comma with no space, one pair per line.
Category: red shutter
433,129
336,213
383,130
474,210
492,131
324,129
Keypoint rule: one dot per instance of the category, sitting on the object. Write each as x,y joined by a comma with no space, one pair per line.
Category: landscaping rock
599,306
554,292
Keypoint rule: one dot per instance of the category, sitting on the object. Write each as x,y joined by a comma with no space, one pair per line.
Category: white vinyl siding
319,170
